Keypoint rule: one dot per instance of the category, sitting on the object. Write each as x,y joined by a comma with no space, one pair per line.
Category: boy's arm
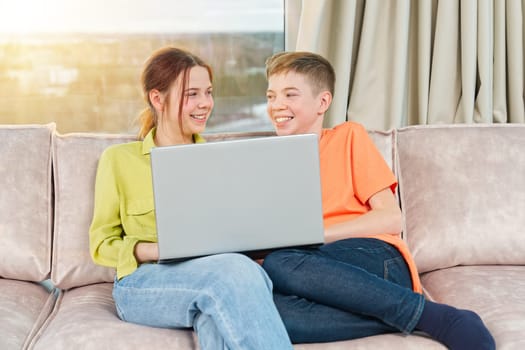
384,217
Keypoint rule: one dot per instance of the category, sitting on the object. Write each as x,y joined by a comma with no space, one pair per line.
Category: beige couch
462,190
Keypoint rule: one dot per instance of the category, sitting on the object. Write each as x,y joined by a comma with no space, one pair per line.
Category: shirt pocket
140,219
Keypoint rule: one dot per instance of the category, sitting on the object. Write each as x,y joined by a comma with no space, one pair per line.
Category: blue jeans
348,289
226,298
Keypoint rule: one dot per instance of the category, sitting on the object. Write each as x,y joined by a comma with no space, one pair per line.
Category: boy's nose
277,103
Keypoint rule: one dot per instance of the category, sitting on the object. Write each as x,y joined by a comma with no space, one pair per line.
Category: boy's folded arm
383,218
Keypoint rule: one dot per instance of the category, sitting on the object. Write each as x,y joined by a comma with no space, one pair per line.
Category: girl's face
197,102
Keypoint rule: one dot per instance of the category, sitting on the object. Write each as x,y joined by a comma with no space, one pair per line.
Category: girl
226,298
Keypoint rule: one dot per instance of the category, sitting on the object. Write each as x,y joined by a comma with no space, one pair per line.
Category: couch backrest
384,141
26,209
75,159
462,191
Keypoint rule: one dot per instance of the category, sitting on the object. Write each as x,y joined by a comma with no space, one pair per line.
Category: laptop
249,196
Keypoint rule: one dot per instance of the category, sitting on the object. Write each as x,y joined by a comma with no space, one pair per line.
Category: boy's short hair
317,69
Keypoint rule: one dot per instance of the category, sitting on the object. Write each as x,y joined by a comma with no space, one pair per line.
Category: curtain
405,62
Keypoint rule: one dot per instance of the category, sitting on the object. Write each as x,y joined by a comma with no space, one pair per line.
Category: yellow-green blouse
124,209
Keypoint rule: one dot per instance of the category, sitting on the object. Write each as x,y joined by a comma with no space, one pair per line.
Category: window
78,63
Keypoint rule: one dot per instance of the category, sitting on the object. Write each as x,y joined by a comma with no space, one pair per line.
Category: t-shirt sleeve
370,172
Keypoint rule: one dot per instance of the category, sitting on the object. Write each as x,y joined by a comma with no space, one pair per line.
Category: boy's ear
325,99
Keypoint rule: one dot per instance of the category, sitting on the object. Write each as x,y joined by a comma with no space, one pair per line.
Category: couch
461,189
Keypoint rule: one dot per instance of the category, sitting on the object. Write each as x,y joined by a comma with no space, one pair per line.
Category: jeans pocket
396,271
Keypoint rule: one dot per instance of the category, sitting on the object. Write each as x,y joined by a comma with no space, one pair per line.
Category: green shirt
123,209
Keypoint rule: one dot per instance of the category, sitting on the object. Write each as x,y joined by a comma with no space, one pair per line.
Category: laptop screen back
237,196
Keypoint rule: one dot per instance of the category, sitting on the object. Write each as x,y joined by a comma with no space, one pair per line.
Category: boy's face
292,106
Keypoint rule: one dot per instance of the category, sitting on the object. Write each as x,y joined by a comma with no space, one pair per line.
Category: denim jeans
348,289
226,298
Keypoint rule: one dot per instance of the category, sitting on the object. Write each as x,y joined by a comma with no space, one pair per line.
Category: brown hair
161,69
317,69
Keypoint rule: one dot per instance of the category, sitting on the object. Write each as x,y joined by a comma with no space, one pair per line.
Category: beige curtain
403,62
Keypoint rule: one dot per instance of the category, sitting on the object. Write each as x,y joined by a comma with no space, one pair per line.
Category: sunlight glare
23,16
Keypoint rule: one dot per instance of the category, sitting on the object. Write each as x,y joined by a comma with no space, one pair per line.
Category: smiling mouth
282,119
199,117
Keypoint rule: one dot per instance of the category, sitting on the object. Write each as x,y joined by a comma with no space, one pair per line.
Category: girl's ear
325,99
156,98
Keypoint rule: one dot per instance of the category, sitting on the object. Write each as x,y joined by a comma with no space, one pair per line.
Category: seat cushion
494,292
85,318
26,210
395,341
24,306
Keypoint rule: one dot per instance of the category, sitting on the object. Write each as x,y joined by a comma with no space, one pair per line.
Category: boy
363,281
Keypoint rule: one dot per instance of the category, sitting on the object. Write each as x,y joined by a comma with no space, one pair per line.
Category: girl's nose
205,101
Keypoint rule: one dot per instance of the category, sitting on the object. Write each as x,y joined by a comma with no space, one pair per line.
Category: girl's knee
233,263
237,271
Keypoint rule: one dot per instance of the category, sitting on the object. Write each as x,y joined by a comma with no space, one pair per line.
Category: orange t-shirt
353,170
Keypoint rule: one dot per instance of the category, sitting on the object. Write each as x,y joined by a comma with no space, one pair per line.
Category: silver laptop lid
237,196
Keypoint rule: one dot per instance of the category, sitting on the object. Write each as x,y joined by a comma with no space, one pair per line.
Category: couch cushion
85,318
76,158
216,137
394,341
26,201
24,306
462,190
75,164
384,141
494,292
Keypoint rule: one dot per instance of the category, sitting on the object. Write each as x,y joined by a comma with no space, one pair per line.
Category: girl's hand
146,251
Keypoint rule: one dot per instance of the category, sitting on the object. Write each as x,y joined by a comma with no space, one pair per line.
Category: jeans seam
416,316
119,310
220,313
120,313
418,310
223,320
385,269
387,263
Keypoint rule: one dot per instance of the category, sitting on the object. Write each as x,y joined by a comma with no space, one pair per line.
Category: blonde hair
161,69
317,69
